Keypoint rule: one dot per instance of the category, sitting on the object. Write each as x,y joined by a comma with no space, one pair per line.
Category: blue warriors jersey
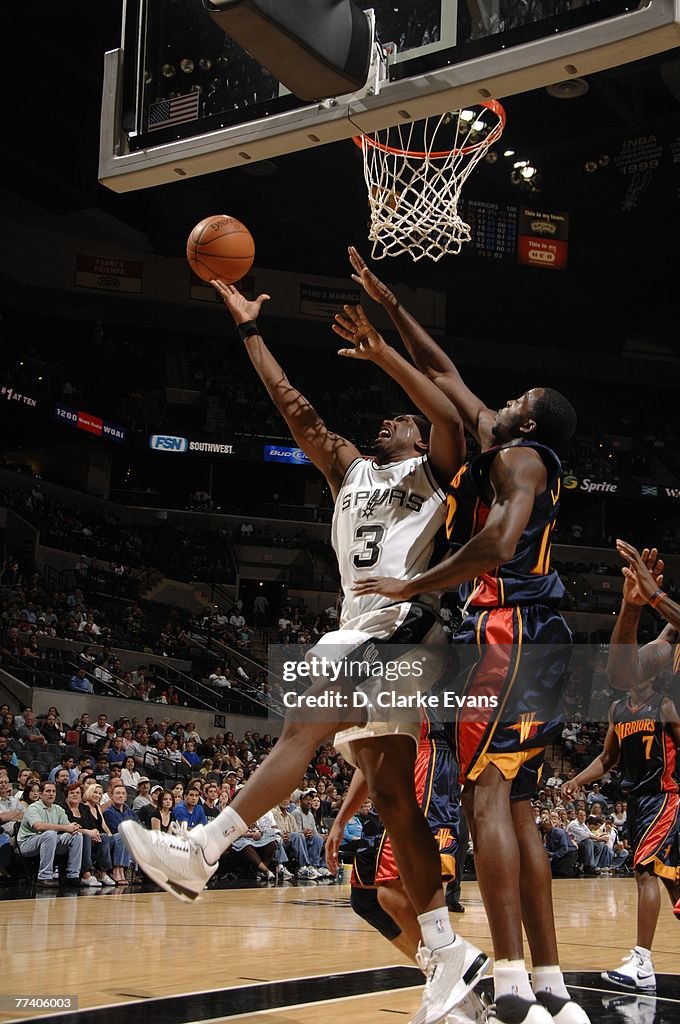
527,577
648,757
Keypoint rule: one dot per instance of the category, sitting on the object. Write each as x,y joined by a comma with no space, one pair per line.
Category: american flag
176,110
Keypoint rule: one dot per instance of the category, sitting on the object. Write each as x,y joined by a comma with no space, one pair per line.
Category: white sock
435,928
646,954
549,979
222,831
510,978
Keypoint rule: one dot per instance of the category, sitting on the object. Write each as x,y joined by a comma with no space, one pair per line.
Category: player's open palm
241,308
372,285
354,326
643,574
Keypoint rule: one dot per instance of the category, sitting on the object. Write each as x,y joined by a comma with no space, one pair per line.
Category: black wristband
247,329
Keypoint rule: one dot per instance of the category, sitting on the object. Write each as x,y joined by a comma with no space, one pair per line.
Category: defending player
502,509
387,512
643,739
377,895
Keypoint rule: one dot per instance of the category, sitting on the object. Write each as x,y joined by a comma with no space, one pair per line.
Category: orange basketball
220,247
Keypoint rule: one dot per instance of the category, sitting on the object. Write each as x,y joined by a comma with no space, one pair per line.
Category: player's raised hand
241,309
354,326
372,285
643,575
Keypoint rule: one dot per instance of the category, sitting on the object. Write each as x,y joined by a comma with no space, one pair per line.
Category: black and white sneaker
562,1011
515,1010
636,973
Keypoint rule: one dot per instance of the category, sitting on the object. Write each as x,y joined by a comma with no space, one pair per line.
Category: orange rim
493,136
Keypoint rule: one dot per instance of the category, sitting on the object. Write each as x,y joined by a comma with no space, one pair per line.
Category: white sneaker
469,1011
515,1010
174,862
107,880
635,974
562,1011
284,874
323,872
450,973
91,882
307,872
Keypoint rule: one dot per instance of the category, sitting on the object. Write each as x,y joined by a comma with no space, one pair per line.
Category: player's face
397,439
515,415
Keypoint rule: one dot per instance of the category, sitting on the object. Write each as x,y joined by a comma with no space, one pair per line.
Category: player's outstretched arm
600,765
329,452
517,475
447,440
627,664
428,356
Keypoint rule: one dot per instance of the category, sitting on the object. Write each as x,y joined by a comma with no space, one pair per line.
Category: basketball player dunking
387,512
502,510
643,739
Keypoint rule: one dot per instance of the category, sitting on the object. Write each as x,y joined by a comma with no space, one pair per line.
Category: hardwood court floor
113,947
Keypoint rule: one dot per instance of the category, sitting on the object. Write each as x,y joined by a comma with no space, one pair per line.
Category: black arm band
247,329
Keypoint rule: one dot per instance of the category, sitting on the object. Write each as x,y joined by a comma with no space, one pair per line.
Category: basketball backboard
182,99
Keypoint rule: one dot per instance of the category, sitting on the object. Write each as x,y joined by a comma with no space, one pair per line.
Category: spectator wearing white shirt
130,776
236,621
218,679
98,730
102,674
10,809
89,626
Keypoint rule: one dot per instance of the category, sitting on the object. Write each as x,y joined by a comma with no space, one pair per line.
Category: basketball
220,247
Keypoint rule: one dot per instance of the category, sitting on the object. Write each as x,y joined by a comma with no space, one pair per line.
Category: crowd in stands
99,532
31,616
87,776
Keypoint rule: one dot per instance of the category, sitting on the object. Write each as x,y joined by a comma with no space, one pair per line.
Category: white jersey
384,524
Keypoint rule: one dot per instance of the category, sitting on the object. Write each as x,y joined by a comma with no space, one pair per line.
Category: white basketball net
415,173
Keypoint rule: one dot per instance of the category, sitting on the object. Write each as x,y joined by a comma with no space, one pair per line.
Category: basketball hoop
415,173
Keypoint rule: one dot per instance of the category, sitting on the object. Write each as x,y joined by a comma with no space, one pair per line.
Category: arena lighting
509,152
316,48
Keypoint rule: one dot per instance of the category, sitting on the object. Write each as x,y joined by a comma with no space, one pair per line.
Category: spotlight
509,152
168,71
467,115
590,166
528,172
491,157
204,64
603,160
186,65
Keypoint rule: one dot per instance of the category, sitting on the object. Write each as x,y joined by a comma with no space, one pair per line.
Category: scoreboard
493,229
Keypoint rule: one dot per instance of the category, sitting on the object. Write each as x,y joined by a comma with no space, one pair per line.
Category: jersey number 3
371,534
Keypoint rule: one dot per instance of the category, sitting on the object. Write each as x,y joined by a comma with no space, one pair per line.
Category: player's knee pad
364,903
